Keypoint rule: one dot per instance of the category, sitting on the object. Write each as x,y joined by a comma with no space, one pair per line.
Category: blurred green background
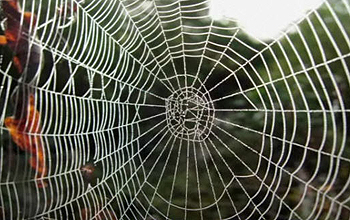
278,147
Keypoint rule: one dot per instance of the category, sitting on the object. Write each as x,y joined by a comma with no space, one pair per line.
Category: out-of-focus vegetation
285,141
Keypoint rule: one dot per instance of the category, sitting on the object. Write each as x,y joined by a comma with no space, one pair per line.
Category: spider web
154,110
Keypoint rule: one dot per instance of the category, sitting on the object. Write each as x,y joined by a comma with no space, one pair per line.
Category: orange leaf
24,132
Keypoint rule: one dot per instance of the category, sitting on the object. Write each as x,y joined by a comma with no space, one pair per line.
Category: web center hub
190,114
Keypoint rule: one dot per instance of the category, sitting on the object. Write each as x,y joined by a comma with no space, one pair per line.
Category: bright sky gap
263,19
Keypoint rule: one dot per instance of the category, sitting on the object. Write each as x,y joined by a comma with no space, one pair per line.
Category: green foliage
275,106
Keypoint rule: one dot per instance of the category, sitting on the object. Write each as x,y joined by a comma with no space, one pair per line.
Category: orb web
157,110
